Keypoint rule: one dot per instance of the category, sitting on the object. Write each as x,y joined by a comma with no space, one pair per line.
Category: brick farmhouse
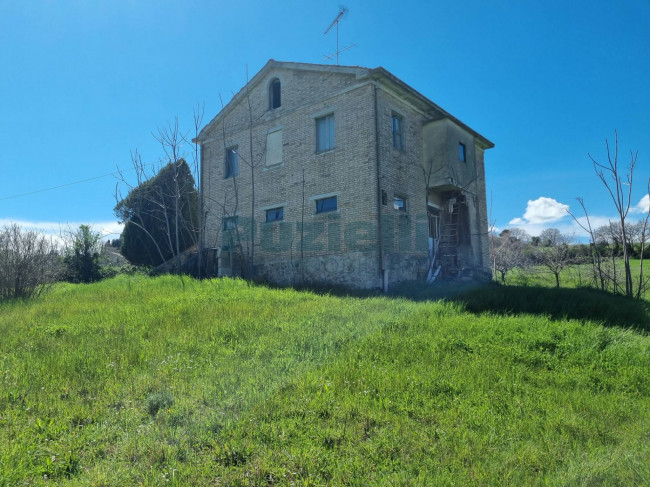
341,175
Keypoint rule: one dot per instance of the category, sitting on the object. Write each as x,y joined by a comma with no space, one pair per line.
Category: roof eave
234,101
378,73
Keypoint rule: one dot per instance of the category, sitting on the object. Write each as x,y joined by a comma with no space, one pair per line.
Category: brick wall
348,171
339,247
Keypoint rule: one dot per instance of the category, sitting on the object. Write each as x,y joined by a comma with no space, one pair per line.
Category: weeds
157,401
139,380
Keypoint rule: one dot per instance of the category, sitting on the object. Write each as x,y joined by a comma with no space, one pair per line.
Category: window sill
331,212
273,166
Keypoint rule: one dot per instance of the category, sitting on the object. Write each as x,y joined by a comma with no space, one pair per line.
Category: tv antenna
337,19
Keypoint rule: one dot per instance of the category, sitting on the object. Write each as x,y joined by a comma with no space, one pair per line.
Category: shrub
28,262
82,255
159,400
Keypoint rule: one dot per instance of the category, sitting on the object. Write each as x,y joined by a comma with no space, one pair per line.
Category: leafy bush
159,400
81,256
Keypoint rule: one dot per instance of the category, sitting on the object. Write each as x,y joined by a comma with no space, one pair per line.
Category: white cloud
107,229
542,210
545,212
643,206
567,226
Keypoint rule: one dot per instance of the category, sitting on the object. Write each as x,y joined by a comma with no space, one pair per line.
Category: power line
55,187
114,174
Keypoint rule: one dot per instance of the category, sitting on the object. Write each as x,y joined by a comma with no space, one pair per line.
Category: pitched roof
360,72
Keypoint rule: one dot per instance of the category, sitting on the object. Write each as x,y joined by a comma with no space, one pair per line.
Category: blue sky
82,83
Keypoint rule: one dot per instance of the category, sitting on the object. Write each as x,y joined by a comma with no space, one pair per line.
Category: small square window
230,223
461,152
324,205
232,162
275,214
325,133
399,203
398,132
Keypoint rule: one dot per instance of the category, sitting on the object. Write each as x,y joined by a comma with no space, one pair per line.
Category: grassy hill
140,381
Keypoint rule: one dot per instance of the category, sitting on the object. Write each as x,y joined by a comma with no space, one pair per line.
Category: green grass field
143,381
574,276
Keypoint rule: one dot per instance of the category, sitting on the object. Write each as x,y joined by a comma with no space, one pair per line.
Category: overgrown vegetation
160,215
81,255
31,262
140,381
519,258
611,248
28,263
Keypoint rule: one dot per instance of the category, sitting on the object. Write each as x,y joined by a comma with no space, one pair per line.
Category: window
399,203
325,133
229,229
384,197
461,152
274,94
398,132
324,205
230,223
275,214
232,163
274,148
434,222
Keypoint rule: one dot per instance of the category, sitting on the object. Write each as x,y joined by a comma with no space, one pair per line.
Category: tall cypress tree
154,210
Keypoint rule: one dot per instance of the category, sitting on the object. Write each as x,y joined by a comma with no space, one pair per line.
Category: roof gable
378,74
272,64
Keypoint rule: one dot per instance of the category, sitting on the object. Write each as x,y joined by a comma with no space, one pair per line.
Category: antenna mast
337,19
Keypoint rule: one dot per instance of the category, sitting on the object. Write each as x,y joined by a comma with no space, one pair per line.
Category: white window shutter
274,148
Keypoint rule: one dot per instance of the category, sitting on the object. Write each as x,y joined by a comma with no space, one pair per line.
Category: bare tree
519,234
618,183
635,232
162,202
429,170
508,251
432,255
302,230
554,252
29,263
619,187
170,140
230,205
644,237
198,113
598,274
492,241
251,159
